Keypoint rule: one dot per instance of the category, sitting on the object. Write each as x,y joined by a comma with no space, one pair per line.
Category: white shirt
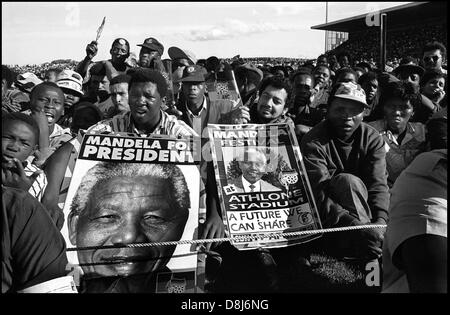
246,184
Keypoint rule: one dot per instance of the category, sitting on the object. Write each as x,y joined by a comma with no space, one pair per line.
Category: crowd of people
374,144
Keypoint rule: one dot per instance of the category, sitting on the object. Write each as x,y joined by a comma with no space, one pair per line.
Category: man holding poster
126,203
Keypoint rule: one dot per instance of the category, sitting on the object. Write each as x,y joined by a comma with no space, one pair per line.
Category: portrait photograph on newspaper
127,191
263,187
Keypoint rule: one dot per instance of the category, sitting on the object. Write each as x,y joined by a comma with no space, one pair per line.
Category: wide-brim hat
178,53
410,68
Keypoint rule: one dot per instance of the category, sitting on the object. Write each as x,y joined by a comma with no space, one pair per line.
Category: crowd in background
364,133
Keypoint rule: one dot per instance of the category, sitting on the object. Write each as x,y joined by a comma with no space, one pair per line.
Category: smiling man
346,164
120,204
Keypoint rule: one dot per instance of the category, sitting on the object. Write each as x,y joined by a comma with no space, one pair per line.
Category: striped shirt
38,188
168,125
59,136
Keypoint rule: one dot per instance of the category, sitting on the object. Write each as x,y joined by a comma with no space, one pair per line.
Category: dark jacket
325,156
33,249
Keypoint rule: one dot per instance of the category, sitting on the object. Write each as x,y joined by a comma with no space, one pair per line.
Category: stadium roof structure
397,17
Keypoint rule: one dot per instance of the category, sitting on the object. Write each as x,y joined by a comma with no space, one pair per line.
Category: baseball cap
351,91
153,44
69,79
193,73
27,81
178,53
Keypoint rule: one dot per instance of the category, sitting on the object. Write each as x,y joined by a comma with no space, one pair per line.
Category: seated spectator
118,88
85,115
25,83
345,162
344,59
248,78
196,107
306,117
272,105
403,139
98,91
369,83
71,83
433,55
345,75
322,60
33,250
415,247
433,86
322,82
19,142
409,71
279,71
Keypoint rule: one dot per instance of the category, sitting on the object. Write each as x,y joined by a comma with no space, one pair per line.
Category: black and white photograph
188,148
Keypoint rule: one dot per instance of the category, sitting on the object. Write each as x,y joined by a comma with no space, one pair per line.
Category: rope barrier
247,238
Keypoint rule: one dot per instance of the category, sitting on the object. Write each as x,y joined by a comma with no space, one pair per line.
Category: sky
37,32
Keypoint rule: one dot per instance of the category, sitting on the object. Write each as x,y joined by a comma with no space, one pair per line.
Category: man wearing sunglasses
433,55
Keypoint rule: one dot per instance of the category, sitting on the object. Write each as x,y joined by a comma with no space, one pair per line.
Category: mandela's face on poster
126,210
253,165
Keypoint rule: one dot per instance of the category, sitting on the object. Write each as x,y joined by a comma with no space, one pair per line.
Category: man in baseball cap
409,71
150,53
346,164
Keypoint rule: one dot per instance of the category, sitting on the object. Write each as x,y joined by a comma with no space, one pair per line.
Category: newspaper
262,183
127,190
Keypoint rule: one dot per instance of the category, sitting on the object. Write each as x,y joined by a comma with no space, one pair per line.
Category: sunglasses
435,58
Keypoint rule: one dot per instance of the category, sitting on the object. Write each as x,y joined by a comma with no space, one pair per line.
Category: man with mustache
126,203
346,164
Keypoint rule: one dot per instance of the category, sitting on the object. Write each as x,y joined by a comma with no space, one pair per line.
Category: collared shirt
246,184
197,119
168,125
37,189
399,156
